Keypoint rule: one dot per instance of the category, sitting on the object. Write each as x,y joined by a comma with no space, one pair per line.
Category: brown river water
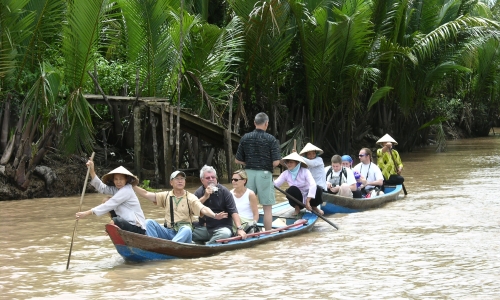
441,241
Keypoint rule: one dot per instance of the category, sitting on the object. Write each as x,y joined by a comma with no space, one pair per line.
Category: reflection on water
440,241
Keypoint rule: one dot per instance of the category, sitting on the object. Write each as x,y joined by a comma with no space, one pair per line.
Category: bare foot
319,211
296,212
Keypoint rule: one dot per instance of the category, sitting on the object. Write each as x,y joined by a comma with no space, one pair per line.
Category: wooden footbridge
162,114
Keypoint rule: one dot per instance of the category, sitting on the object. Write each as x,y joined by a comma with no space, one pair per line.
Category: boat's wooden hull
337,204
136,247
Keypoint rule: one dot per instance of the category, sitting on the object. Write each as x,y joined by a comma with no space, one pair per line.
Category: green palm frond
473,27
14,30
46,27
81,37
151,40
210,61
43,95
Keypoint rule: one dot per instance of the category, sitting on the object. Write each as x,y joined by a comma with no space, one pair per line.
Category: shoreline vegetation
337,74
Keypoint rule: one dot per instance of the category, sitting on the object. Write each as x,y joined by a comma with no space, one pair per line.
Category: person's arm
145,194
237,222
281,179
206,194
275,153
206,211
254,205
239,162
397,158
312,184
351,181
90,165
239,158
379,178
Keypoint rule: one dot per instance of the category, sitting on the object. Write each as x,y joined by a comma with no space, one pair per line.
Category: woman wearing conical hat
388,159
314,163
301,184
118,183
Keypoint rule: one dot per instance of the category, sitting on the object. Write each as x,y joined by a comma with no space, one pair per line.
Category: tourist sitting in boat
340,180
389,161
314,163
181,209
301,184
246,202
347,162
124,202
371,177
218,198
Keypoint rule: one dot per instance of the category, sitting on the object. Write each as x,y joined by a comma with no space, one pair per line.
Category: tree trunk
4,135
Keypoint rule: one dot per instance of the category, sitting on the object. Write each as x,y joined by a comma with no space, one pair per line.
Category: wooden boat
137,247
338,204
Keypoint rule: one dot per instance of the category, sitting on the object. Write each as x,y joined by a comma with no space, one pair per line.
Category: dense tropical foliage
336,73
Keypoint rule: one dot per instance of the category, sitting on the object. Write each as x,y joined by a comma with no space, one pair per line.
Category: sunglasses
361,155
237,179
210,177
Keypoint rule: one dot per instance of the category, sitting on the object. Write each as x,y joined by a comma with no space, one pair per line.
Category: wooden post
171,139
167,150
228,147
154,122
137,141
105,143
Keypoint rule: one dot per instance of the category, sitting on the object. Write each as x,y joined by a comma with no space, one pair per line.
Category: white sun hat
310,147
296,157
108,178
386,139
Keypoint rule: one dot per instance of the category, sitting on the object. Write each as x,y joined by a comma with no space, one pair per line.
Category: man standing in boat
181,207
259,152
219,199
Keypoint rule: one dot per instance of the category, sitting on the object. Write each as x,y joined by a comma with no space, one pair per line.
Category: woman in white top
315,164
245,199
124,202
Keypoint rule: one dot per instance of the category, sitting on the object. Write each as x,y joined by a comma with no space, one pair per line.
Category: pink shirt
304,181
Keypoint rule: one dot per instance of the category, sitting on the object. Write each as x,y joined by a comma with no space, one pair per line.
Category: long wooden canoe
137,247
338,204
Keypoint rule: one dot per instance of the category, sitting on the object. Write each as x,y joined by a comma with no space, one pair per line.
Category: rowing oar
79,209
301,204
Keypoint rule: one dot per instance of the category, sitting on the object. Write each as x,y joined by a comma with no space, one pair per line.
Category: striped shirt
258,150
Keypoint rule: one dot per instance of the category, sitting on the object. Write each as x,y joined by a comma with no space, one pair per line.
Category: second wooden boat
338,204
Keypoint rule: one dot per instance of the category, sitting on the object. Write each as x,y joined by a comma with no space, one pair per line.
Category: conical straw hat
295,156
108,178
385,139
310,147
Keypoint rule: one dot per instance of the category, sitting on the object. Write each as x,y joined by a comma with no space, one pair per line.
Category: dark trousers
295,192
127,226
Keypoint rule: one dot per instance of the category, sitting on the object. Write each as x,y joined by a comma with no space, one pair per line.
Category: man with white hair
220,200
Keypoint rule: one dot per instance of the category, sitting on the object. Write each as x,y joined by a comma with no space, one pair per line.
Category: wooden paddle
79,209
235,238
301,204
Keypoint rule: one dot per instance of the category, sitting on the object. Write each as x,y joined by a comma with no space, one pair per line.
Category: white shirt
317,169
124,202
243,204
371,172
347,177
